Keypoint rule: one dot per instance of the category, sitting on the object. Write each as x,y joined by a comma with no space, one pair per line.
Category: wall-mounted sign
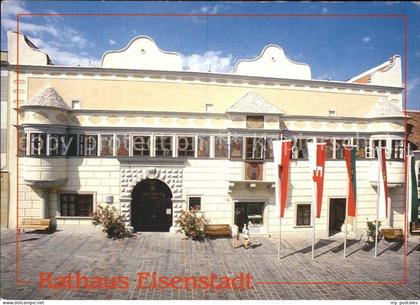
168,211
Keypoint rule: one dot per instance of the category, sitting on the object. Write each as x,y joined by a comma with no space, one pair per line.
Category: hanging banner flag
282,151
317,153
382,184
413,197
350,157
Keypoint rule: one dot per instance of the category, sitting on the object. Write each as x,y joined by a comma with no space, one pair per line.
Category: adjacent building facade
143,135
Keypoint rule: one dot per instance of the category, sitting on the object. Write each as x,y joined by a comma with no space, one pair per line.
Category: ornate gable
385,109
253,103
48,98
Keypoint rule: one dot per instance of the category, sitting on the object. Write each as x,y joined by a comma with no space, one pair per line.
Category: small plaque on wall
254,171
168,211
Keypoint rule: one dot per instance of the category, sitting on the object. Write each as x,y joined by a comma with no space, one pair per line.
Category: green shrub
192,225
111,220
372,230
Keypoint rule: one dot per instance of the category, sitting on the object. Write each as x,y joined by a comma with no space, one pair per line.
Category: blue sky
336,48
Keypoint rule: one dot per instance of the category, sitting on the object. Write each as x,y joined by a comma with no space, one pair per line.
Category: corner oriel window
38,144
22,143
57,145
141,146
163,146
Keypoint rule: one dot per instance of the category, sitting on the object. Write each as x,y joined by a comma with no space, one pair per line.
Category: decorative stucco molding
254,103
142,53
48,98
385,109
272,62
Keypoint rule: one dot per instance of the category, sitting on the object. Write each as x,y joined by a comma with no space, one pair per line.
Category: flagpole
313,231
407,192
377,202
314,204
279,246
345,222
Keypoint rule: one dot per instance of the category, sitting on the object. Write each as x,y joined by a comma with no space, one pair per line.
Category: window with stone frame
303,214
220,147
339,147
107,144
141,145
300,148
163,146
186,146
71,145
122,142
88,145
254,121
236,147
255,148
57,143
362,145
22,143
397,149
375,144
72,204
269,154
38,144
203,146
194,202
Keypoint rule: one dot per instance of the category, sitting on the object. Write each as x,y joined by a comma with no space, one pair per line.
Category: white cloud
60,57
366,39
34,29
209,10
12,8
111,42
413,84
325,76
212,61
324,10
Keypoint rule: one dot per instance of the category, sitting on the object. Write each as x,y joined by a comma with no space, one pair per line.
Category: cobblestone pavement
89,252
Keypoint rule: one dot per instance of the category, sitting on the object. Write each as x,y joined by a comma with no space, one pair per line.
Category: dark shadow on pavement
416,248
23,240
253,246
394,247
321,243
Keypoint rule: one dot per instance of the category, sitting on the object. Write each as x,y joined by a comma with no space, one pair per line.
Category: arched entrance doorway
151,206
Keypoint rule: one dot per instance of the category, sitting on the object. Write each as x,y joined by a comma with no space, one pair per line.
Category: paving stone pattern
88,251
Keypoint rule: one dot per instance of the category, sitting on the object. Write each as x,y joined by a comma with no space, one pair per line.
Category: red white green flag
350,157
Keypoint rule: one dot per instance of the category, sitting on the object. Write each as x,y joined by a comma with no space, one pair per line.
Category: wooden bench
218,230
415,227
393,234
35,224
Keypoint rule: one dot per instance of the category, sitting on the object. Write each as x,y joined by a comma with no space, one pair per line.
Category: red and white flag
382,184
317,154
282,151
